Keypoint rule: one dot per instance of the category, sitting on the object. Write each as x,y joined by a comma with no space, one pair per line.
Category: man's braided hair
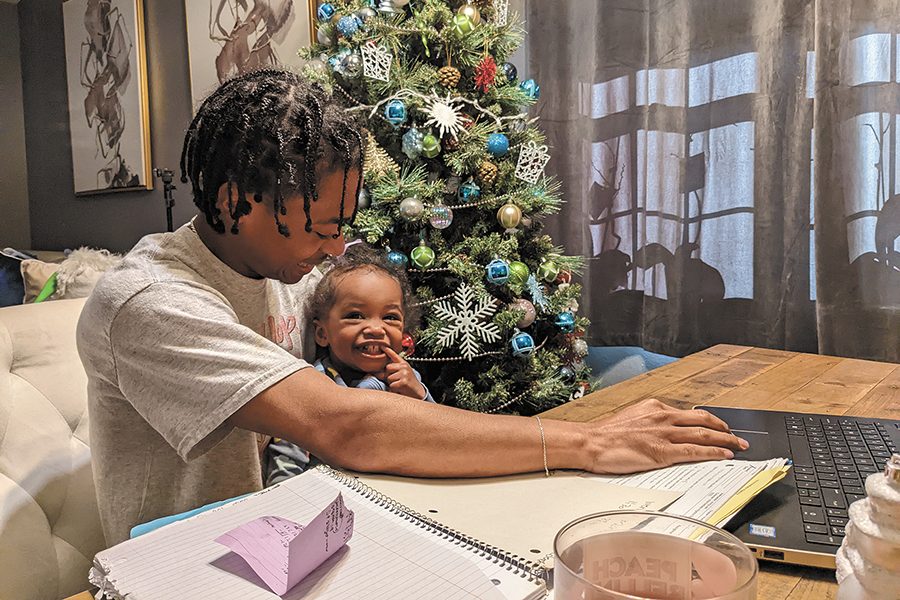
268,131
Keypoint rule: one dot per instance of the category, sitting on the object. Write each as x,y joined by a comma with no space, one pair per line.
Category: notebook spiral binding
527,569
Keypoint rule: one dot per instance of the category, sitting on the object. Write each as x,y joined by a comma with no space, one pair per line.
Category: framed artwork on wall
229,37
107,84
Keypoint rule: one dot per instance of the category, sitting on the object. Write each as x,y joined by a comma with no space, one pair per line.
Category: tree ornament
566,322
431,147
448,76
441,216
501,12
471,12
348,25
396,258
537,292
518,272
487,174
497,144
322,37
565,276
422,256
547,270
376,61
395,112
497,271
522,344
408,344
468,320
412,143
580,348
485,73
351,66
531,88
510,71
411,208
385,6
526,307
461,25
567,374
450,144
378,162
325,12
467,192
362,200
445,116
366,13
532,160
509,216
317,66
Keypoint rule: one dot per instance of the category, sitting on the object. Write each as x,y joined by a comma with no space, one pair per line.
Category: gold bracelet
543,447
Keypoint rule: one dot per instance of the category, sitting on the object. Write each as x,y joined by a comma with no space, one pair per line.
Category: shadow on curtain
730,169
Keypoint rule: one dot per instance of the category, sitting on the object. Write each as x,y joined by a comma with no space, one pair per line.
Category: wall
14,224
116,220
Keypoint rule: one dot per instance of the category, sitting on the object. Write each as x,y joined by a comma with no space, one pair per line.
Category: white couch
49,522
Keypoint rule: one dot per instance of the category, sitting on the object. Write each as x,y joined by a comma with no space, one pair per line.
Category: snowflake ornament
532,160
467,322
376,61
445,116
537,292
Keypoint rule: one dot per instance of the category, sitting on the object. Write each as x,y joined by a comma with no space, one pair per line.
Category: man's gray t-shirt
174,342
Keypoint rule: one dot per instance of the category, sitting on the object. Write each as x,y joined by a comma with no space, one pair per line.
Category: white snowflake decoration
501,10
537,292
467,323
532,160
376,61
444,115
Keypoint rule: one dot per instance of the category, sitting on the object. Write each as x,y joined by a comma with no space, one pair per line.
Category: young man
198,338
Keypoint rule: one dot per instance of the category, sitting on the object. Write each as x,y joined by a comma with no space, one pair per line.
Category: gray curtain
730,169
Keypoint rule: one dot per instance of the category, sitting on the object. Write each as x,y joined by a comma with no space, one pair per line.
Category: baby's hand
400,377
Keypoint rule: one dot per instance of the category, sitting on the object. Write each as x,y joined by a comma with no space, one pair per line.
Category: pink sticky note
282,552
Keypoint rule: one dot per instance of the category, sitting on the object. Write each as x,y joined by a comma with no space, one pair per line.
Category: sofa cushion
49,522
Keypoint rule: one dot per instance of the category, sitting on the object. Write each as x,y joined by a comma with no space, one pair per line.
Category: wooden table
728,375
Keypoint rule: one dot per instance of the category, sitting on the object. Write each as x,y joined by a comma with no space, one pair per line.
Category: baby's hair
362,257
267,131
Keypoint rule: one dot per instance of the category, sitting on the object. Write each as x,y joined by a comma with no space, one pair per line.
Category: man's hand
399,376
651,434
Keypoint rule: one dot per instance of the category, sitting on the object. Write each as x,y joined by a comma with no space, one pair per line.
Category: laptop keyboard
832,456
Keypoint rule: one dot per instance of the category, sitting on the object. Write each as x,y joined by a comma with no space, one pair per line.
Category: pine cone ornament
448,76
450,144
487,174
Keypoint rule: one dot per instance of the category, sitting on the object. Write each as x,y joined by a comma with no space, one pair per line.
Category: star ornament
445,116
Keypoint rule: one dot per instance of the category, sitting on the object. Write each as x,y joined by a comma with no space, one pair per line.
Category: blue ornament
412,143
510,71
497,144
395,112
497,271
522,344
348,25
397,259
467,191
566,322
325,12
531,88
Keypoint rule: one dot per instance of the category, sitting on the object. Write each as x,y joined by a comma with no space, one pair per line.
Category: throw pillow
35,274
78,274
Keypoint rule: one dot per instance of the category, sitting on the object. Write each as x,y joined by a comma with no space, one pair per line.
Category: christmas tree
454,189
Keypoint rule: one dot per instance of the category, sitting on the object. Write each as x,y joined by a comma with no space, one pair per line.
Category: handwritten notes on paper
282,552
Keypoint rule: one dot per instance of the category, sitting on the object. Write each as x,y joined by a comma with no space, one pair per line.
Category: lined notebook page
387,557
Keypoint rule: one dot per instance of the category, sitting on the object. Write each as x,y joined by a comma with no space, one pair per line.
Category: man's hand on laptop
650,434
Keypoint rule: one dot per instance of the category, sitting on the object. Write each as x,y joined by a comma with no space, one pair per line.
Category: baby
360,310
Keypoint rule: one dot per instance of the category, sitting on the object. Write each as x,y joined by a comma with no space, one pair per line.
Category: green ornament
548,271
431,147
462,24
518,272
422,256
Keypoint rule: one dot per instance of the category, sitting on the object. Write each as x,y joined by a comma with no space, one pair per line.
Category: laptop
801,519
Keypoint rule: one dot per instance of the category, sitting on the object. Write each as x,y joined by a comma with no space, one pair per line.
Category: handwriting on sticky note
282,552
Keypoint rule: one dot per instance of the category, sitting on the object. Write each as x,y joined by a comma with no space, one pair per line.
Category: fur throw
78,274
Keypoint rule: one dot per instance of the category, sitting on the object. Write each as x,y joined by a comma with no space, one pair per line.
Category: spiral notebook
394,553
